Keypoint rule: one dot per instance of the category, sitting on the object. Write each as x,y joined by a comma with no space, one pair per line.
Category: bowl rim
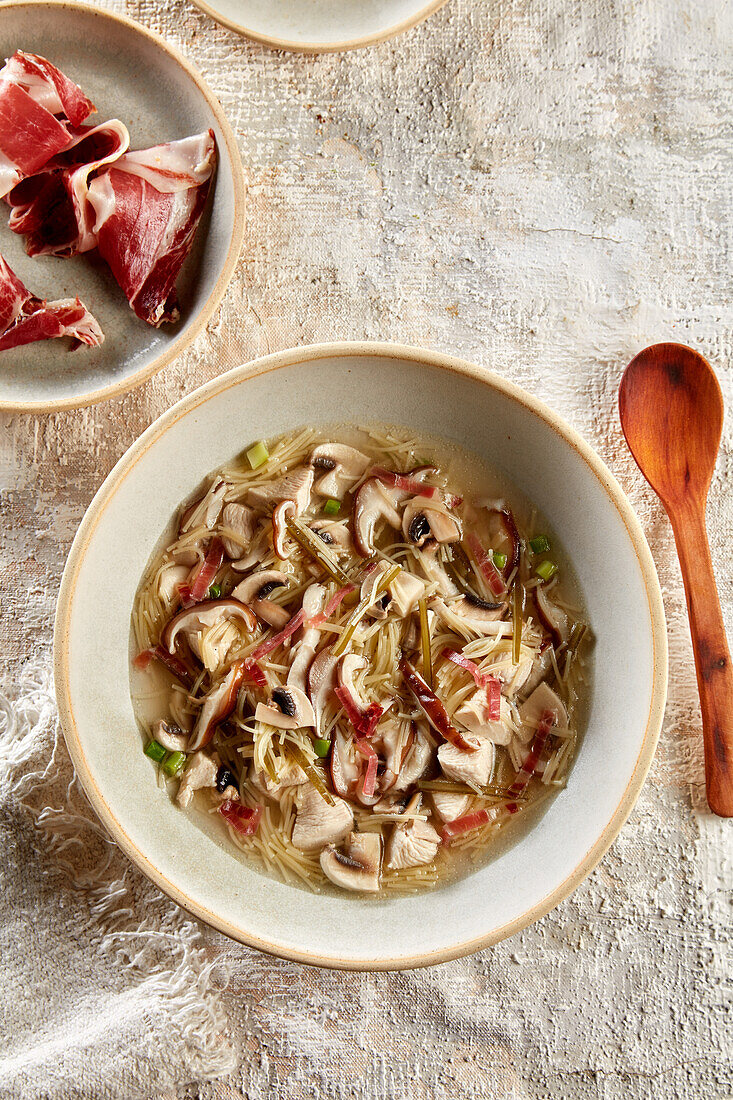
358,43
184,339
291,358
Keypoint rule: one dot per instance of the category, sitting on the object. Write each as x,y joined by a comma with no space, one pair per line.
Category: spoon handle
712,657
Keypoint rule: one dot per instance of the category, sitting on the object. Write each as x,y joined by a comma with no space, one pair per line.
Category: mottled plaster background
543,188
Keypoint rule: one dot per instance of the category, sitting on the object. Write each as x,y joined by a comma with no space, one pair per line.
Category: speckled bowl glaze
319,26
509,430
130,74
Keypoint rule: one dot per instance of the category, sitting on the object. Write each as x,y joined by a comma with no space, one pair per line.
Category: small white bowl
319,26
131,74
510,431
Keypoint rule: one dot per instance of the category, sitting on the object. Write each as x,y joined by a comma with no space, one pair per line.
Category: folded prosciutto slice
148,205
51,208
39,107
25,318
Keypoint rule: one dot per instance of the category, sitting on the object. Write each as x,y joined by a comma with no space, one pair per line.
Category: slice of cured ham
148,205
51,208
39,107
25,318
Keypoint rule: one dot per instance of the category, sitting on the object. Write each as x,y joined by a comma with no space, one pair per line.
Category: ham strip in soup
148,205
38,105
51,208
24,318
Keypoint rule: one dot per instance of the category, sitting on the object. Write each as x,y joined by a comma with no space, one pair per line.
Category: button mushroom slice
412,844
542,699
350,664
284,511
336,535
395,738
433,569
295,486
318,823
258,551
517,677
470,615
322,679
378,609
201,772
552,617
314,598
204,511
292,775
292,709
255,589
346,766
421,523
170,577
358,866
372,503
243,522
450,806
392,804
417,760
171,737
468,767
343,467
193,621
217,706
473,714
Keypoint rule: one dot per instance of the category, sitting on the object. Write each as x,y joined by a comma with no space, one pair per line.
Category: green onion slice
155,751
258,455
540,544
546,569
215,592
499,560
321,747
174,763
332,507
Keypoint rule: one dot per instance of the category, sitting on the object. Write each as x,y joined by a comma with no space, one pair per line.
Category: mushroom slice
378,609
346,766
336,535
284,511
450,806
420,523
192,621
395,739
170,578
358,866
392,804
348,667
242,520
552,617
406,589
292,710
255,589
204,511
434,571
470,615
313,600
473,714
291,775
542,699
417,760
217,707
201,772
295,486
468,767
317,823
371,503
322,679
171,737
412,844
343,467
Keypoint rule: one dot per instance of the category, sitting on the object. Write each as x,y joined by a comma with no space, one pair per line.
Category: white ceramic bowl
132,74
319,26
510,431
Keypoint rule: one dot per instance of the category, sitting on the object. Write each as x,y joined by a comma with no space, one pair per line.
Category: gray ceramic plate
549,463
319,26
133,75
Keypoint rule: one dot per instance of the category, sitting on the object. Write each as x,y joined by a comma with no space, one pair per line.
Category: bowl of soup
360,656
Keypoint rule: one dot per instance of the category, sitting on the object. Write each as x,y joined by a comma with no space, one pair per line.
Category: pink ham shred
148,205
24,318
39,107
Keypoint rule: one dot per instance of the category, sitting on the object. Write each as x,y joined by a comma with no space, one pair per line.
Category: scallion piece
546,569
174,762
499,560
258,455
321,747
427,656
332,507
155,751
540,544
517,620
215,592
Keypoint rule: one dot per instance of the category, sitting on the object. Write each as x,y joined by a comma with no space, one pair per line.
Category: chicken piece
468,767
412,844
292,775
473,714
201,772
295,486
449,806
317,823
242,520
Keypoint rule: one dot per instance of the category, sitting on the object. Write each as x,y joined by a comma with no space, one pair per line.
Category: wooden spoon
672,416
